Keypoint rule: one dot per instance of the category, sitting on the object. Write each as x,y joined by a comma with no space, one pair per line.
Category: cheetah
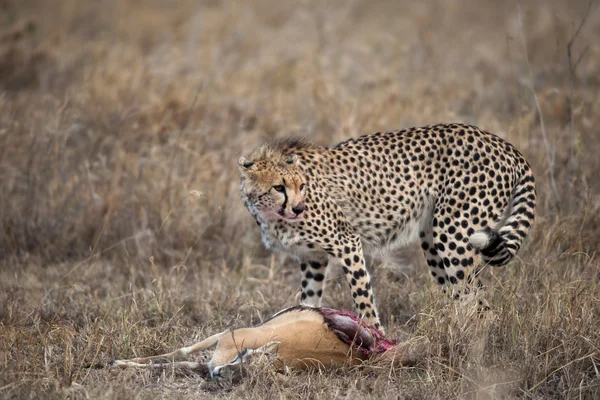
466,194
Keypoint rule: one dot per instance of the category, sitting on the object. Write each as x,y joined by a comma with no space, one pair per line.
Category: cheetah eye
279,188
302,187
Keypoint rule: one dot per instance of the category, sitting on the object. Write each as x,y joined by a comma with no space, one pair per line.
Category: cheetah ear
292,159
244,164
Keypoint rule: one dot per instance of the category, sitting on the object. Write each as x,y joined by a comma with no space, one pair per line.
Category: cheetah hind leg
458,289
474,289
483,307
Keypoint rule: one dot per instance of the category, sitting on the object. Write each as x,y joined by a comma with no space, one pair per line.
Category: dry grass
121,229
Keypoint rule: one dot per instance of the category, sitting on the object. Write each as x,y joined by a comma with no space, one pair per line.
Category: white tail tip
480,240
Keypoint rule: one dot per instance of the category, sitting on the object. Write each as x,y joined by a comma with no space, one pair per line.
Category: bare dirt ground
121,229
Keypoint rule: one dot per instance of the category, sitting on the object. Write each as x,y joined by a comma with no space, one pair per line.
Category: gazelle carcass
299,337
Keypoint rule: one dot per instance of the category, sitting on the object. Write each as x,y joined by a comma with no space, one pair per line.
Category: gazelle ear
271,348
244,164
292,159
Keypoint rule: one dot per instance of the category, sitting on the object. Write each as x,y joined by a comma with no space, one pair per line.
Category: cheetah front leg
314,272
349,254
332,234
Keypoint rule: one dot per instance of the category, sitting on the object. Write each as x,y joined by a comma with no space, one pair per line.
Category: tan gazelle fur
299,337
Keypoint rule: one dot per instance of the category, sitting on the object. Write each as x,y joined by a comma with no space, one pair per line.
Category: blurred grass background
121,228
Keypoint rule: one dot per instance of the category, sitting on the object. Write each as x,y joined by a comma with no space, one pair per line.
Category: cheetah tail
498,246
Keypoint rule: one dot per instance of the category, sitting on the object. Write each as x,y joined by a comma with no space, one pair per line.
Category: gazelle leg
182,352
174,364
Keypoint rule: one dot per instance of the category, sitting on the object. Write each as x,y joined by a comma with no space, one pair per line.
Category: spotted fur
466,194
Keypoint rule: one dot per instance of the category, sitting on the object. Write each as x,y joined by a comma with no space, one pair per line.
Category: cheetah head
273,189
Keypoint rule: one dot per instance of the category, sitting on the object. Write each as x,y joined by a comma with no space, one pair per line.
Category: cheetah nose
299,208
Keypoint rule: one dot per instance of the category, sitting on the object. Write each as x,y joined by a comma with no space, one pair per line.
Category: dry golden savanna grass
121,229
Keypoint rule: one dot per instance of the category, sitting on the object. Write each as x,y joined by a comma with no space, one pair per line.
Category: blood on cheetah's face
273,190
